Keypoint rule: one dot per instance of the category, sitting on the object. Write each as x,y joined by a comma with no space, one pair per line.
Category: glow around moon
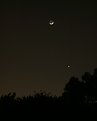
51,22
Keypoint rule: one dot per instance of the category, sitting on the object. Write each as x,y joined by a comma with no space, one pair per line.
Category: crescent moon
51,22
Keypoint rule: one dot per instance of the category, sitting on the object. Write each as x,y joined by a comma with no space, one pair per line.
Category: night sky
35,55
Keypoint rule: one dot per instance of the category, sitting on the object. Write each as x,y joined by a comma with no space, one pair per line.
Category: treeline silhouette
79,98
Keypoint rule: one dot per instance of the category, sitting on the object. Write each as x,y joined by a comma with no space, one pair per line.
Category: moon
51,22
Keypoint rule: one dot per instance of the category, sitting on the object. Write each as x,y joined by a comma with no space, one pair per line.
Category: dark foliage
78,99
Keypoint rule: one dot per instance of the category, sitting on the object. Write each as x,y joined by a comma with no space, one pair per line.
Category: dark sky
34,55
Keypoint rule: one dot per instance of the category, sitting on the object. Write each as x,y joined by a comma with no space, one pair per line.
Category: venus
68,66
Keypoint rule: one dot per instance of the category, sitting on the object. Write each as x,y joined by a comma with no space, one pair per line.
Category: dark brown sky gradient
35,55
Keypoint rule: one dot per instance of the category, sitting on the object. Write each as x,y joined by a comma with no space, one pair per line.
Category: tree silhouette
79,98
75,89
90,82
